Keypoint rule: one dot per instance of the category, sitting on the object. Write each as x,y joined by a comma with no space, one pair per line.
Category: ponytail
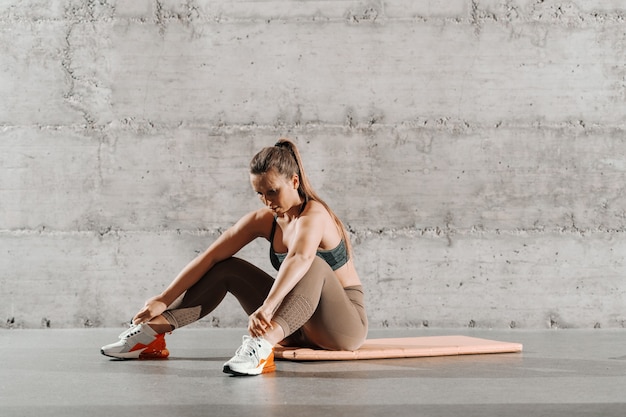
285,158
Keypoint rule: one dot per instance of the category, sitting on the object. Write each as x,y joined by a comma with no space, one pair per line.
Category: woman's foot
255,356
138,342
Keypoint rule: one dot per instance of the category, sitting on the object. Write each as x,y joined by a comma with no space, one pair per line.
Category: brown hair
285,158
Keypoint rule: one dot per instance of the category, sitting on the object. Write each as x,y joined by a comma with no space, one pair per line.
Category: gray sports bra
335,258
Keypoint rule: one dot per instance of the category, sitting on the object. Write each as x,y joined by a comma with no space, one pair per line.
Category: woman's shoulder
314,207
259,222
263,216
317,212
321,219
263,213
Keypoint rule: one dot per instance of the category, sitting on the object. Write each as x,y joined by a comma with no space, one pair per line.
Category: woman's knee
233,270
314,278
227,264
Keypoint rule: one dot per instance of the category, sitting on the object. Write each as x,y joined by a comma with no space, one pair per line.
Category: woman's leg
320,307
326,314
340,322
249,284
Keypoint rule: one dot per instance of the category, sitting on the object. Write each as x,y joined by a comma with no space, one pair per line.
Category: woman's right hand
153,307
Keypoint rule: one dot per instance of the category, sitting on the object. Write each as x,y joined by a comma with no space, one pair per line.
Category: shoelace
248,347
131,331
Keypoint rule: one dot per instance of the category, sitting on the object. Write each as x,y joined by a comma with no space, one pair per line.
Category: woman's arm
303,246
248,228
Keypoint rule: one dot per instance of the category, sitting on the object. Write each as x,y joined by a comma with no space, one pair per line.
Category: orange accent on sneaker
155,350
268,364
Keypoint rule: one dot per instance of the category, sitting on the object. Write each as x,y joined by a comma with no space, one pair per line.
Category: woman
315,300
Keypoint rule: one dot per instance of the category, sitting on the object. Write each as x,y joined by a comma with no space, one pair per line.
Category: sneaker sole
160,355
267,368
127,355
139,354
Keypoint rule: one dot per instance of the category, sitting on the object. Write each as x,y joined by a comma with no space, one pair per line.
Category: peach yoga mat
405,347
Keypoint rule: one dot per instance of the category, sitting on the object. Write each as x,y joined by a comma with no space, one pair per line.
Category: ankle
160,325
161,328
274,335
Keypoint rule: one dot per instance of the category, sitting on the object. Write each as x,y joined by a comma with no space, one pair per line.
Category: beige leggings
318,311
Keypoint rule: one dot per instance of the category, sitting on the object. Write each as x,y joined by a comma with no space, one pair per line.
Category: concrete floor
560,373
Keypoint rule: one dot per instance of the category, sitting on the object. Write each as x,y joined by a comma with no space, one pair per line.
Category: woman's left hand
260,321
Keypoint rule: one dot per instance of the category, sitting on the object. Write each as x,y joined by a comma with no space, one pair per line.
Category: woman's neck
294,212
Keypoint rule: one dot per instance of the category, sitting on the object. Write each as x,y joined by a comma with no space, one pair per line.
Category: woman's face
276,191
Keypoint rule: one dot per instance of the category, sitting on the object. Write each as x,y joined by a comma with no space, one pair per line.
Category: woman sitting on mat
315,300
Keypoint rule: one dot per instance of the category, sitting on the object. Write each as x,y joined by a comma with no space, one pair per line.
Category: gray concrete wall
475,149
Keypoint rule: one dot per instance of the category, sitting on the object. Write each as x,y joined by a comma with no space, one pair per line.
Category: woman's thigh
338,322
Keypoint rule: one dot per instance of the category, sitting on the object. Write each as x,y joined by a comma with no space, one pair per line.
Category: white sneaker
255,356
138,342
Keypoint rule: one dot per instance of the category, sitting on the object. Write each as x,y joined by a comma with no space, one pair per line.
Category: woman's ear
295,180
